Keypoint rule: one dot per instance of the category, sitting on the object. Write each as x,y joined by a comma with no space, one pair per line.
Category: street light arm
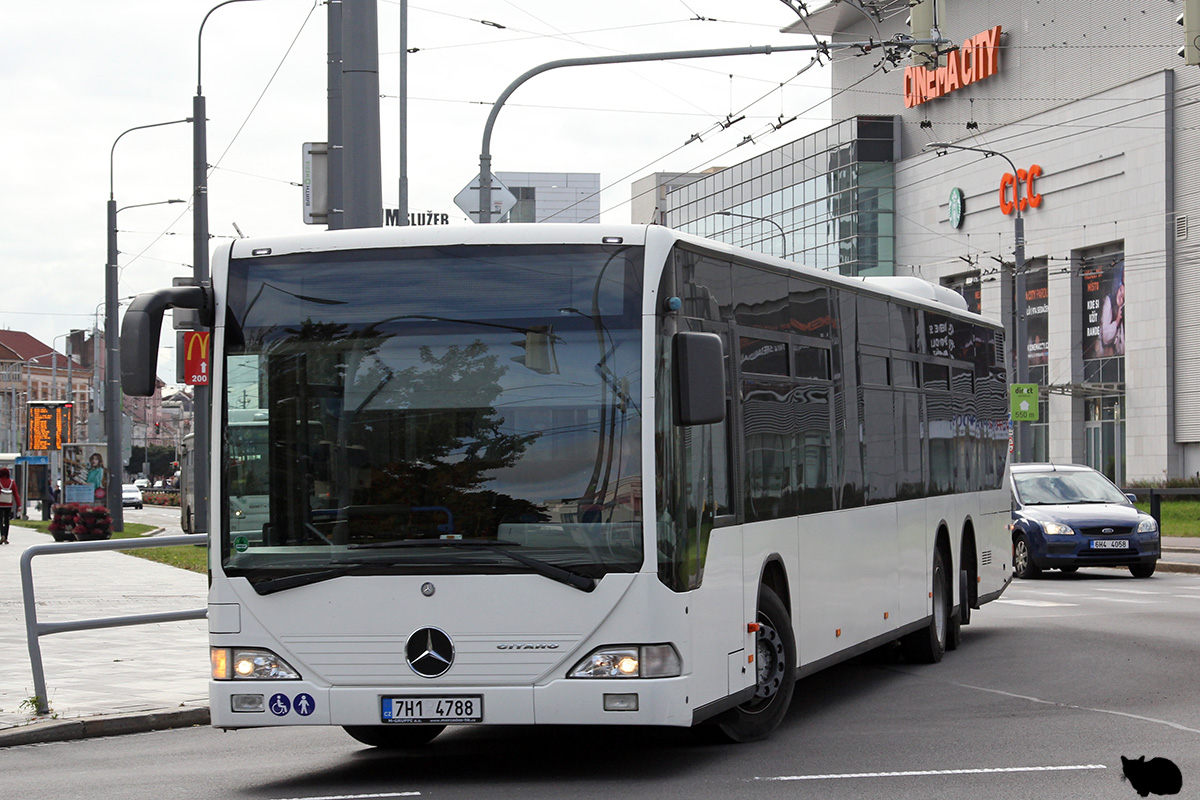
200,35
112,150
485,153
155,203
782,234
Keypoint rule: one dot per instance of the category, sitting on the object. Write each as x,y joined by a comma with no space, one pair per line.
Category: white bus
592,474
187,483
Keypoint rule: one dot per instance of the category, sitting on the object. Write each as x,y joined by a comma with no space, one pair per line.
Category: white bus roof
910,288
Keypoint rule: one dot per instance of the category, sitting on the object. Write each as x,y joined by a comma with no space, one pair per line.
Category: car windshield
1054,488
425,396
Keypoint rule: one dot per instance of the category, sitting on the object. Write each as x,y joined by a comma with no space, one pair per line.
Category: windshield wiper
284,582
543,568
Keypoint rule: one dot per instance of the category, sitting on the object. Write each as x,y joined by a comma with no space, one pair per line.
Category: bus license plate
1110,544
441,710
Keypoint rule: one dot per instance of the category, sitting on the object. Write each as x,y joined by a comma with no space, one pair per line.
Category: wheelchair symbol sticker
280,705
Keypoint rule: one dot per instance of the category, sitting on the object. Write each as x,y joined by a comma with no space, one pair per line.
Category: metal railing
34,629
1156,495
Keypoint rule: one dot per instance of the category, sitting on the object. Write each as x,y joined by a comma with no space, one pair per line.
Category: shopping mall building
1093,127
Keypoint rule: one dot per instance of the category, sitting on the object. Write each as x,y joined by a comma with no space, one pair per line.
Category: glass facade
826,200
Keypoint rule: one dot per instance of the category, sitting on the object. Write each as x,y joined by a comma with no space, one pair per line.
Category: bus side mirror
699,378
142,327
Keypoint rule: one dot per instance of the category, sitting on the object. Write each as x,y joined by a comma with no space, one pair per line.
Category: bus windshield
390,409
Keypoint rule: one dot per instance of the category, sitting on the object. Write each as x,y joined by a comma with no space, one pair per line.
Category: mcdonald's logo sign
195,357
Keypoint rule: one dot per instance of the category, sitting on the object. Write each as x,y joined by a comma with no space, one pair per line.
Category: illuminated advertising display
1104,309
48,425
1037,317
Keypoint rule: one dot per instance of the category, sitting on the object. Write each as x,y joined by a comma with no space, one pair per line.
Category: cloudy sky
76,73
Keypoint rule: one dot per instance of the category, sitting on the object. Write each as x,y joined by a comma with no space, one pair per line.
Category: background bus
581,475
187,485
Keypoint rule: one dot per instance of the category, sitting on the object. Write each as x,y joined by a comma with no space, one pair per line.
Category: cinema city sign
975,59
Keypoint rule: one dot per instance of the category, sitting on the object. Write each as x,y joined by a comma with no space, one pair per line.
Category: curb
89,727
1178,566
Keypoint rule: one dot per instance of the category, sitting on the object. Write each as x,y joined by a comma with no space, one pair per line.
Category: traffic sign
1023,402
502,199
195,357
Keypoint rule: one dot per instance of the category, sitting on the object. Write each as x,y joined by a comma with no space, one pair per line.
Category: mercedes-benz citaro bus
579,474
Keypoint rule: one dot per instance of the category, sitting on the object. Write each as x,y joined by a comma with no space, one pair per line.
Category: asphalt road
162,516
1053,684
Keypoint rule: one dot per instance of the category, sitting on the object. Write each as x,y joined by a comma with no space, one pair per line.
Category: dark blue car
1067,516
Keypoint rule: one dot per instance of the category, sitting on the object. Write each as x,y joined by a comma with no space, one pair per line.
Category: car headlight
630,661
1057,529
250,663
1147,525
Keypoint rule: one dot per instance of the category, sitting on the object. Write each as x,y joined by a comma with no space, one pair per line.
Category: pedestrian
10,501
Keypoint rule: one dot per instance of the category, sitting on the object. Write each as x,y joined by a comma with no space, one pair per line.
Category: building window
526,208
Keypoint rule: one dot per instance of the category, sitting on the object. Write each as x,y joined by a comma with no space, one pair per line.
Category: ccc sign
1010,189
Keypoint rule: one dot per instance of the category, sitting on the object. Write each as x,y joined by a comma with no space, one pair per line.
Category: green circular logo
241,544
956,207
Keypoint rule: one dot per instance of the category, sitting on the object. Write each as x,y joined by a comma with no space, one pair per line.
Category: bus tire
394,737
775,663
960,617
928,645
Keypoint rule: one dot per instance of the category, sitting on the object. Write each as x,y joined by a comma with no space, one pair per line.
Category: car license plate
1110,544
440,710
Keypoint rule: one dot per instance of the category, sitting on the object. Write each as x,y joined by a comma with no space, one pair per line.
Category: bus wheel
960,617
928,645
394,737
775,663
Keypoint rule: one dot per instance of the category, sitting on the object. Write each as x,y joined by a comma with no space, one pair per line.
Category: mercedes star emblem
429,652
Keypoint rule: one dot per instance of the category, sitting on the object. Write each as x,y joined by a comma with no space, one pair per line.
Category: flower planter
80,522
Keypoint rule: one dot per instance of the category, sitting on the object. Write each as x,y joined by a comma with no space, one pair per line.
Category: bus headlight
248,663
630,661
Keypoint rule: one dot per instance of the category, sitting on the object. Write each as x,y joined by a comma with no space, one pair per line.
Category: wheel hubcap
1022,557
771,662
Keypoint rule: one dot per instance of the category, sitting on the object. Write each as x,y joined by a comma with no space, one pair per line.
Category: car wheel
1023,566
394,737
775,663
928,645
1143,570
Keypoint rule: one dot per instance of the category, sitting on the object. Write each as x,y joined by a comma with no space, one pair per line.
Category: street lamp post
1022,450
782,235
202,397
112,369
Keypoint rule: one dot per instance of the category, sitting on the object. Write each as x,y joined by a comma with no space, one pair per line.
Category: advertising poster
1104,309
1037,317
85,476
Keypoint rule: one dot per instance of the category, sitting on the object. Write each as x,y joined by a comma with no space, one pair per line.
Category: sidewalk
143,677
111,680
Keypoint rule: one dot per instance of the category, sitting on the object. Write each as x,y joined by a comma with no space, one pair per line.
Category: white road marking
1033,603
1123,600
1125,591
1168,723
926,772
357,796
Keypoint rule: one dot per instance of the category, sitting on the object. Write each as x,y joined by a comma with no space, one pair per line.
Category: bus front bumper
245,704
